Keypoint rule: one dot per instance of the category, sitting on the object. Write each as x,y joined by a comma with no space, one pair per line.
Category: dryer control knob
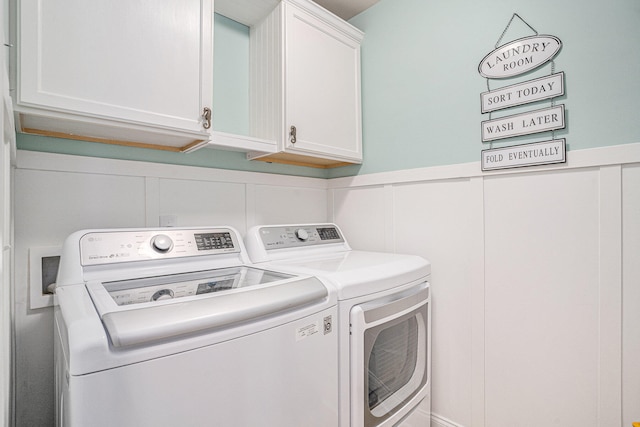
161,243
302,234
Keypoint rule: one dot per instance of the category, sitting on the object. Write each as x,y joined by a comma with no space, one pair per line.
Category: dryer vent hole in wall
50,265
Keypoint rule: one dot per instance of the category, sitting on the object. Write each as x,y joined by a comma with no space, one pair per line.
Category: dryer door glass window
392,360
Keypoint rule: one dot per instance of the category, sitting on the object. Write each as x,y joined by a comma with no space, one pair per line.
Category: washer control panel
109,247
291,236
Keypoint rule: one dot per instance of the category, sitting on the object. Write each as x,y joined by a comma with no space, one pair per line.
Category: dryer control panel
107,247
291,236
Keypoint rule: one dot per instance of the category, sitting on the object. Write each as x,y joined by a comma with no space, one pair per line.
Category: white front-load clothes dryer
174,327
384,319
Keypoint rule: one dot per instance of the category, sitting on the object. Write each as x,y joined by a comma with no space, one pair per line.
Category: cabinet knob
206,116
292,134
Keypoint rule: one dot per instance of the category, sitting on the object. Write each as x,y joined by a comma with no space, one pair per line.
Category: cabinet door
137,61
322,80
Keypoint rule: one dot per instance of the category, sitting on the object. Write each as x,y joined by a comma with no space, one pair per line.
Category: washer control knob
161,243
162,294
302,234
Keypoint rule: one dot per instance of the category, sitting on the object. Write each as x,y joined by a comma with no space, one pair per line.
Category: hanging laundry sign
514,59
519,56
524,124
523,93
538,153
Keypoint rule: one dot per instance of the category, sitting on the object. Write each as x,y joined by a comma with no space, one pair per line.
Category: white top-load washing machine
173,327
384,318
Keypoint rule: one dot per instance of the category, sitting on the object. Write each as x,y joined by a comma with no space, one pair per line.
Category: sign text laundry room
519,56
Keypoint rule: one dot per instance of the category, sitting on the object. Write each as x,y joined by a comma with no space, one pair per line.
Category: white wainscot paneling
361,212
289,205
542,299
203,203
51,205
48,207
433,220
631,295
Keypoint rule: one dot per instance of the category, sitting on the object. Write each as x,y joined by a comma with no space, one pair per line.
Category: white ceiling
250,12
346,9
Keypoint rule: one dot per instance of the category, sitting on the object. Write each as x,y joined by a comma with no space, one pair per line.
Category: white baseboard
418,418
439,421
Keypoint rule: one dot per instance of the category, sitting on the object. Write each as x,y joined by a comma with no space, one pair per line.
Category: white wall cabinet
305,75
141,74
119,71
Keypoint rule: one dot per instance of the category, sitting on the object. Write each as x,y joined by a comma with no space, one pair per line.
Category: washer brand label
308,330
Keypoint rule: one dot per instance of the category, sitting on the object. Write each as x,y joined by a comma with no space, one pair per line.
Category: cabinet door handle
206,116
292,134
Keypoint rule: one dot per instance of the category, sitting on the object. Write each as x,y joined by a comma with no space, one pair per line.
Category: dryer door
390,357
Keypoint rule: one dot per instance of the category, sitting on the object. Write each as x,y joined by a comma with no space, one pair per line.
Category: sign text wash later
523,124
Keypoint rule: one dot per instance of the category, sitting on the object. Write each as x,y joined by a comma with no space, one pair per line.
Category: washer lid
149,309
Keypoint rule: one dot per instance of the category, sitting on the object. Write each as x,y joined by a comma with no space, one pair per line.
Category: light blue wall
231,71
421,88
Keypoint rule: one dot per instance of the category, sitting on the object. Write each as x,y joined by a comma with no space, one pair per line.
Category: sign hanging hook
509,24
